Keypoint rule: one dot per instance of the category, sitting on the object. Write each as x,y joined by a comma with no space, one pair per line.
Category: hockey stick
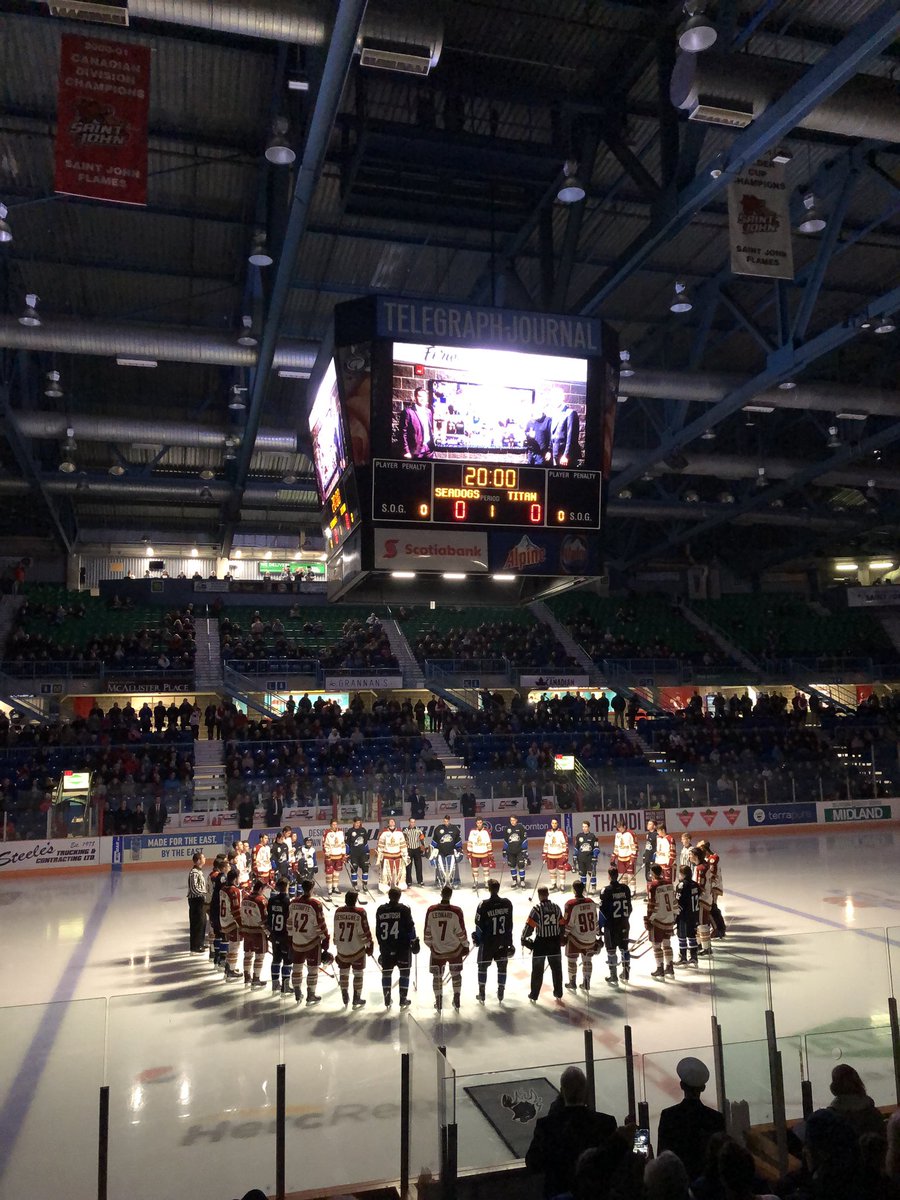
537,881
359,898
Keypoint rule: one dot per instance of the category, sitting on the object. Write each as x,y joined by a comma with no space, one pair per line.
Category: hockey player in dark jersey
615,904
276,919
543,936
446,846
395,933
687,897
515,848
281,854
586,849
357,840
493,935
217,879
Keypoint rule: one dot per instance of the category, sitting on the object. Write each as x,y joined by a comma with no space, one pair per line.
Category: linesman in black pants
543,936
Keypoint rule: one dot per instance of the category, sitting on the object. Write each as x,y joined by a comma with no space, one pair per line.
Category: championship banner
759,223
101,132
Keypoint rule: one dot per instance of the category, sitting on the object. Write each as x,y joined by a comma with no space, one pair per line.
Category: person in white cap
686,1128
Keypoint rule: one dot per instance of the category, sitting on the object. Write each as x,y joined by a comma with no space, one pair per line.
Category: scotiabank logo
466,551
390,548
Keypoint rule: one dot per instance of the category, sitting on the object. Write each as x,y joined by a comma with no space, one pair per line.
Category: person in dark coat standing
568,1129
157,816
686,1128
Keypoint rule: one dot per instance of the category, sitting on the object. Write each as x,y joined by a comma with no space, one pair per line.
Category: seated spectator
666,1179
852,1103
830,1169
737,1172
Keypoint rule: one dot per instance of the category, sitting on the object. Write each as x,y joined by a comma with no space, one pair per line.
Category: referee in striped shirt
415,841
196,898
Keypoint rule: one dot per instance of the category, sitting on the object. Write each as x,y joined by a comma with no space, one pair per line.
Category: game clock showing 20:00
455,493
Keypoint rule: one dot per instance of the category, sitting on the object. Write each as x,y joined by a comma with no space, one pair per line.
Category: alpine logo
524,554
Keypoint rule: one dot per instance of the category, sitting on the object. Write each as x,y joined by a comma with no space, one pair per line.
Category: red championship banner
101,133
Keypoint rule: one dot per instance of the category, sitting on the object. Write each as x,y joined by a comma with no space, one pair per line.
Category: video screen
326,431
451,403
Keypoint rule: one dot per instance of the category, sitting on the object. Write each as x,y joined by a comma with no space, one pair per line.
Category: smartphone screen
641,1142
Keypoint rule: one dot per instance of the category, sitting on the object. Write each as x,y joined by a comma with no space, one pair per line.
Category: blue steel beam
765,496
337,67
782,364
833,70
825,252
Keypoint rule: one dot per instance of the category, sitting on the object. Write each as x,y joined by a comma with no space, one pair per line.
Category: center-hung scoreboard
467,442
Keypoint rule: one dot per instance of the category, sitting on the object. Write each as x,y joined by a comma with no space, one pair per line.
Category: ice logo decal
524,1105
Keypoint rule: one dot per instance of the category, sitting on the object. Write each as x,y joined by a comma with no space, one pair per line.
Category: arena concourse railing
140,679
282,1112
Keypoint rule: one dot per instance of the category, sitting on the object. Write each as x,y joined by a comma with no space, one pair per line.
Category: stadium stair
209,775
724,643
413,676
208,660
456,773
562,635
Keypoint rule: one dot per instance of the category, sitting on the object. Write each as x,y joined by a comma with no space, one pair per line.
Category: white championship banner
56,853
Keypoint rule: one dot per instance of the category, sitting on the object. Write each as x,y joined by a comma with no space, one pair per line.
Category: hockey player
515,847
543,936
230,897
586,851
279,938
615,904
446,938
624,855
556,855
446,852
357,840
648,857
334,850
687,897
281,854
397,942
392,856
715,887
684,854
309,940
215,883
660,921
701,877
352,942
480,850
665,853
262,860
493,935
307,863
242,863
253,931
581,924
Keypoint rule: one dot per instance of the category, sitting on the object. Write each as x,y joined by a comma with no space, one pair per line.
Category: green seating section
779,626
328,620
641,626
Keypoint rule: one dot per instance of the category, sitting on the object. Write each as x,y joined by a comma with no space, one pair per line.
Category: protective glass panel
740,990
793,1071
661,1086
747,1084
611,1087
868,1050
428,1098
204,1088
50,1084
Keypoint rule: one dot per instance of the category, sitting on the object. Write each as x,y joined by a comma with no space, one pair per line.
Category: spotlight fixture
30,317
206,474
149,552
834,442
726,498
67,465
787,385
691,497
194,552
259,255
246,336
625,494
717,166
571,190
117,470
278,149
681,301
290,479
782,156
230,451
68,448
697,33
238,554
52,388
708,435
811,220
626,370
236,402
761,480
5,231
622,399
886,325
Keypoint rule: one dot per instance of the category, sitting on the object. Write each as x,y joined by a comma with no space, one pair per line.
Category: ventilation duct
100,12
408,29
162,489
165,344
52,426
865,107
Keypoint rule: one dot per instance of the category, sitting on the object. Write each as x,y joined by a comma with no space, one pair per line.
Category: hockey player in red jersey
704,883
556,855
334,851
309,940
445,936
230,897
624,855
660,921
581,925
715,889
262,860
352,942
253,931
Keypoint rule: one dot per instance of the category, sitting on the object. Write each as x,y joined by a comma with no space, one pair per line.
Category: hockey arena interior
450,599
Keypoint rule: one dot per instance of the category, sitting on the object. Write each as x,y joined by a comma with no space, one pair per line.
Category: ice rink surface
99,987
